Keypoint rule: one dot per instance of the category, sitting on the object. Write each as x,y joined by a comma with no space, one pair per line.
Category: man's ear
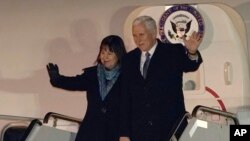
155,34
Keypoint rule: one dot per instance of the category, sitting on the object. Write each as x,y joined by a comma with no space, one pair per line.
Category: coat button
104,110
148,105
150,123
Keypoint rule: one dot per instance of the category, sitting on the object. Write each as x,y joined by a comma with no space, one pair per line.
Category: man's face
143,38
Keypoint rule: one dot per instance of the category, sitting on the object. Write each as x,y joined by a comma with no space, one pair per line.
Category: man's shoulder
136,50
169,45
133,52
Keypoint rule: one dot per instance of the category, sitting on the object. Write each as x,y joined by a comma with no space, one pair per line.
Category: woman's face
108,58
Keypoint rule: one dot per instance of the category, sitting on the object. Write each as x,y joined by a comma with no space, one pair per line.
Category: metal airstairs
54,127
206,124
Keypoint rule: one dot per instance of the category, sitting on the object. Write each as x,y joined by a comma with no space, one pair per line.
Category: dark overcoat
151,108
101,121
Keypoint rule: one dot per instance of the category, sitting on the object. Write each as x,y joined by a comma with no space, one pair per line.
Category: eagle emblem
180,29
178,21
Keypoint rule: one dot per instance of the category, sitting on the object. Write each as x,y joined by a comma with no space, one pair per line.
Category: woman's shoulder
89,69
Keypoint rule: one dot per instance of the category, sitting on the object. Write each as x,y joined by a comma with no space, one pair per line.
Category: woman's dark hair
115,44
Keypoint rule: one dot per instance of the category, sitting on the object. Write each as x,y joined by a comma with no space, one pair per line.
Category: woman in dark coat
102,84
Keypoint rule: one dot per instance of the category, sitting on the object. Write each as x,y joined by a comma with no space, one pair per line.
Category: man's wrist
193,55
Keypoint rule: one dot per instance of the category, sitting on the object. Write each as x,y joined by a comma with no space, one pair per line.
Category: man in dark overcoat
152,97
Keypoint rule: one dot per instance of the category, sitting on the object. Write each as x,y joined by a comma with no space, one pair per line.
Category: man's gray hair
148,21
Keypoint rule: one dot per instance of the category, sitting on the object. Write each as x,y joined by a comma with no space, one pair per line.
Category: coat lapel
137,62
154,61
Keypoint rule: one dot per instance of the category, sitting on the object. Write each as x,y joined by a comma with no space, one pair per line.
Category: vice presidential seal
178,22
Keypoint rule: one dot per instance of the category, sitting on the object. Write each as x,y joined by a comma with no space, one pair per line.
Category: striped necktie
145,65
